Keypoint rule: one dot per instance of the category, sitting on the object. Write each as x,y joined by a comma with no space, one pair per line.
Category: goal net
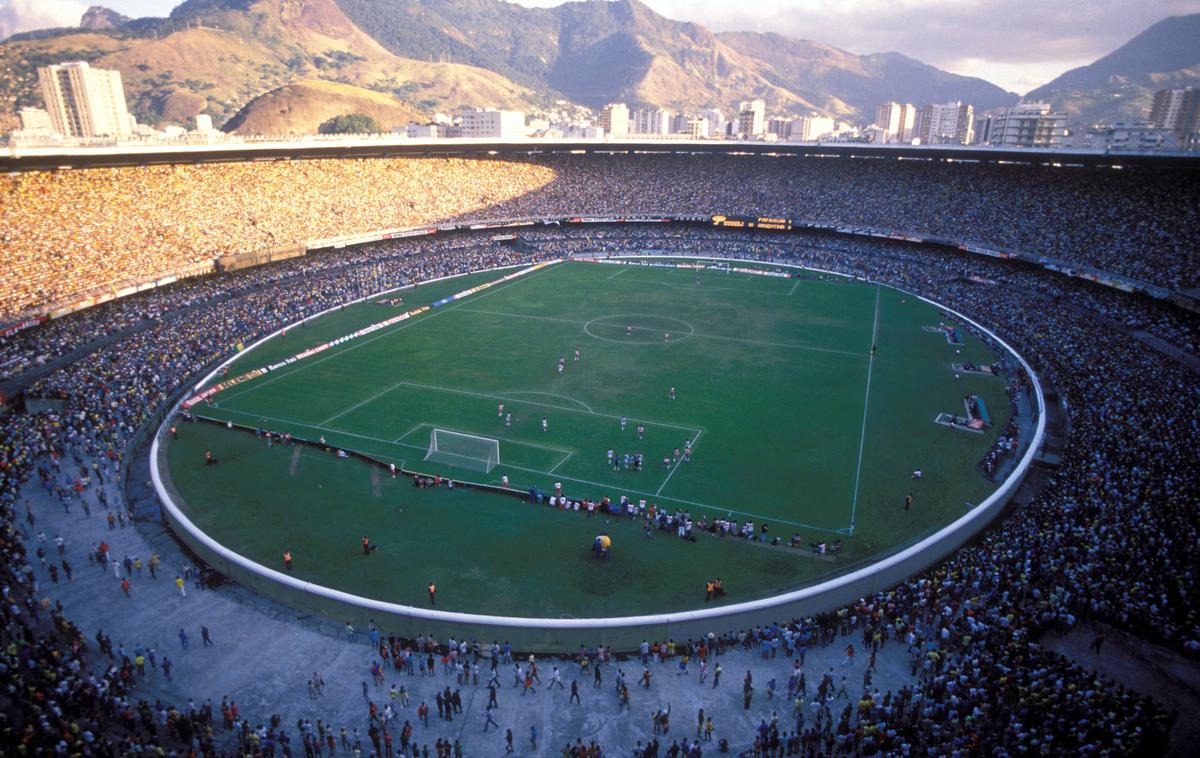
463,450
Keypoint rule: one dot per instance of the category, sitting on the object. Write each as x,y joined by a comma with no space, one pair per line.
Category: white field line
792,291
356,406
586,407
565,458
386,333
410,431
620,270
866,401
759,343
671,473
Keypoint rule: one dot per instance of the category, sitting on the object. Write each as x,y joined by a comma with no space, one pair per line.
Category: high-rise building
716,121
83,101
780,127
945,124
492,124
896,120
1029,125
983,129
652,121
698,127
614,119
752,119
1177,109
812,128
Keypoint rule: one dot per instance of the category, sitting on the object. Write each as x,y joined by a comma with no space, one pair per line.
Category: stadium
387,401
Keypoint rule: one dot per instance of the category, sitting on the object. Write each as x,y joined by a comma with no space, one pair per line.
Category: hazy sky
1018,44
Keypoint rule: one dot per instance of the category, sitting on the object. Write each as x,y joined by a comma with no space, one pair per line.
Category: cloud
24,15
1018,44
1015,77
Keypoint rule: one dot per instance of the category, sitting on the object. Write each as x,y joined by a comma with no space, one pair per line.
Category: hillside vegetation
216,56
302,106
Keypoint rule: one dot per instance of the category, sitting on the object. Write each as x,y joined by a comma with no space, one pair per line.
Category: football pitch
791,418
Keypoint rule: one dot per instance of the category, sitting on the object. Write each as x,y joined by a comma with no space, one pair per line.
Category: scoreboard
753,222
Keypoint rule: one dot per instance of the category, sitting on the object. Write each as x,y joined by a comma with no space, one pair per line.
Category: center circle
638,329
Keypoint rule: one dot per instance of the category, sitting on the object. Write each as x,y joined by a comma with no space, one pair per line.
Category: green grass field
793,422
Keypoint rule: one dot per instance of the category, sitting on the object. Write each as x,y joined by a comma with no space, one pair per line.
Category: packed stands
69,232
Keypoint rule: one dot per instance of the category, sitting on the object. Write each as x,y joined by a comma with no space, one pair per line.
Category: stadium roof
43,158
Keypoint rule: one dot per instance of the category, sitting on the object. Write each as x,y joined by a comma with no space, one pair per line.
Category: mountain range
276,65
1121,85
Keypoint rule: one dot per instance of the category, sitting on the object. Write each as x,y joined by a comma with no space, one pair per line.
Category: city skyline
1016,44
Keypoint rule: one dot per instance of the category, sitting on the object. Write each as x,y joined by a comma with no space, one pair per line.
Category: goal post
463,450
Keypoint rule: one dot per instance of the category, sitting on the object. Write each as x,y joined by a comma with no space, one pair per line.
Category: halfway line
862,439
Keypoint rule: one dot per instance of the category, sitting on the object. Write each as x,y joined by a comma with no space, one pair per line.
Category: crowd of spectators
1139,224
1109,539
70,232
144,221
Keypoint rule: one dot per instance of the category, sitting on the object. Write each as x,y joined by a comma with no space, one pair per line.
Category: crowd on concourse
1109,540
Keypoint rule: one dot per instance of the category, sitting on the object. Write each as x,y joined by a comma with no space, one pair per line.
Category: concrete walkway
263,659
1172,679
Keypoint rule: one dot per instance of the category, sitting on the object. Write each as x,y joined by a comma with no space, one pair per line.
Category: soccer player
629,330
508,419
623,422
576,353
666,336
545,424
610,456
500,410
908,501
672,393
641,431
560,369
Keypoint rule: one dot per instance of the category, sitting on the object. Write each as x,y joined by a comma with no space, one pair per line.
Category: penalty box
574,447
